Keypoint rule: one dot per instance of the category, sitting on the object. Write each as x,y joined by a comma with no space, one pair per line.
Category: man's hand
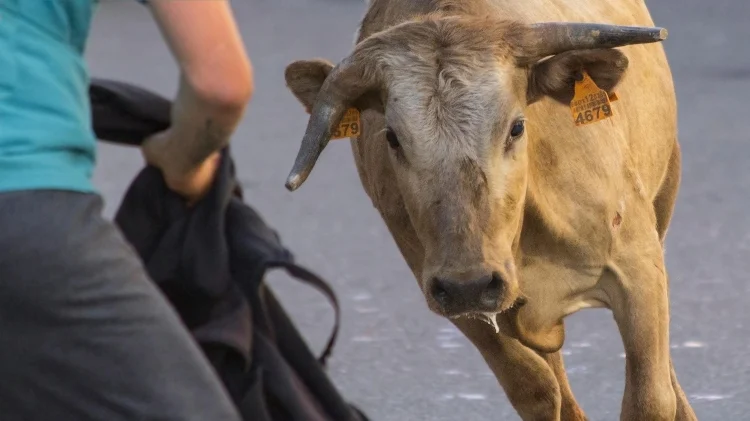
191,183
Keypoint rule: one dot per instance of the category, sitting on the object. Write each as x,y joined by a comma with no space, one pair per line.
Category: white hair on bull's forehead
455,103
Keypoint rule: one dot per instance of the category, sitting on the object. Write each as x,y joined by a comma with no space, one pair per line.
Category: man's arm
216,82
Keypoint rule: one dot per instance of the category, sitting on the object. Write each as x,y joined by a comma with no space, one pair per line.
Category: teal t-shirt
46,138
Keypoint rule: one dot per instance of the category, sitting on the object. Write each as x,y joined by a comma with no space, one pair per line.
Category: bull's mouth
491,317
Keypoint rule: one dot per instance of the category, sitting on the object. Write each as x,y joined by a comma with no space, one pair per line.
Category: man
84,334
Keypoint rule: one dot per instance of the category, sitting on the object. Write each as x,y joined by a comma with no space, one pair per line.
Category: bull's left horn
549,38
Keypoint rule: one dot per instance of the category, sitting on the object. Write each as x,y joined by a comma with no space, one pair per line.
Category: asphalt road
397,360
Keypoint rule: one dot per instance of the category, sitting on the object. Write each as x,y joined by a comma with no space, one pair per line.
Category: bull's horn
325,113
550,38
345,83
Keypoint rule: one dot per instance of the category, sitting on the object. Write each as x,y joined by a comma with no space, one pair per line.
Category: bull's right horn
346,82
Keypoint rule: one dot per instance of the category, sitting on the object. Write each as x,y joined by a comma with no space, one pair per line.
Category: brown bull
511,216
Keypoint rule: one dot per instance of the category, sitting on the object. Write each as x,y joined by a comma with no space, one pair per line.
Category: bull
510,215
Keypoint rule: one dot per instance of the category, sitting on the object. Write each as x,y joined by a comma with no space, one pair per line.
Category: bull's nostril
438,291
496,284
492,291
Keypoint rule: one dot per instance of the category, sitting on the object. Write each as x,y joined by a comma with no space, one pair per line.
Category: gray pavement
397,360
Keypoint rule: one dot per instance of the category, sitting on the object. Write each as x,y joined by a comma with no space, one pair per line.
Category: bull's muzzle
454,297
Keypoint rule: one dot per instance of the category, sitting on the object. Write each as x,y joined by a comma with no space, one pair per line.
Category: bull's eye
390,135
517,129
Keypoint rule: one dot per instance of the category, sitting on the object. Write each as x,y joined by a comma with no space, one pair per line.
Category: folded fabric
210,261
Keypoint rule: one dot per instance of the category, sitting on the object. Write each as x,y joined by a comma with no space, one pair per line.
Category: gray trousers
84,334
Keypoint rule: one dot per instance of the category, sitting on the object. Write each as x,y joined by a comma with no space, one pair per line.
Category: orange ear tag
349,126
590,104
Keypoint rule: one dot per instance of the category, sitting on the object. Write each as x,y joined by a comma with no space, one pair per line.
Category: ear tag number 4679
590,104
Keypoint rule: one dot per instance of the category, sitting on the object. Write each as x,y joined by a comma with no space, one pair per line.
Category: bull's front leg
684,410
569,409
536,386
637,287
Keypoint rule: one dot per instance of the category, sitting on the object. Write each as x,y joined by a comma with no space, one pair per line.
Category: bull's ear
305,78
556,76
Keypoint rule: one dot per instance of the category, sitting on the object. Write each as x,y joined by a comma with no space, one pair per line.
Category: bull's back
580,177
642,132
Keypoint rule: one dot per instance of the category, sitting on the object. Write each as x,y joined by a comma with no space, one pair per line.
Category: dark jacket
210,261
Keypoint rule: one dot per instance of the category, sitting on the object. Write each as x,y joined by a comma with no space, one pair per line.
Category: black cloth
126,114
210,260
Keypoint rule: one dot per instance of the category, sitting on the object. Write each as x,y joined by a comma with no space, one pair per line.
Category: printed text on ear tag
349,126
590,104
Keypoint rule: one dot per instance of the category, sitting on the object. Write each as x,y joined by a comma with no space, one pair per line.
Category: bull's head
452,92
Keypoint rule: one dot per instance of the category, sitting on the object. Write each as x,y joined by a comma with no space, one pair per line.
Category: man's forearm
215,79
208,139
201,127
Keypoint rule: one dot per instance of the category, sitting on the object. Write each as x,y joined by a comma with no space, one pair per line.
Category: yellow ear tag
349,126
590,104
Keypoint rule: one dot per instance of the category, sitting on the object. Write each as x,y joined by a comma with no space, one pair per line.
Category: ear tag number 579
349,125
